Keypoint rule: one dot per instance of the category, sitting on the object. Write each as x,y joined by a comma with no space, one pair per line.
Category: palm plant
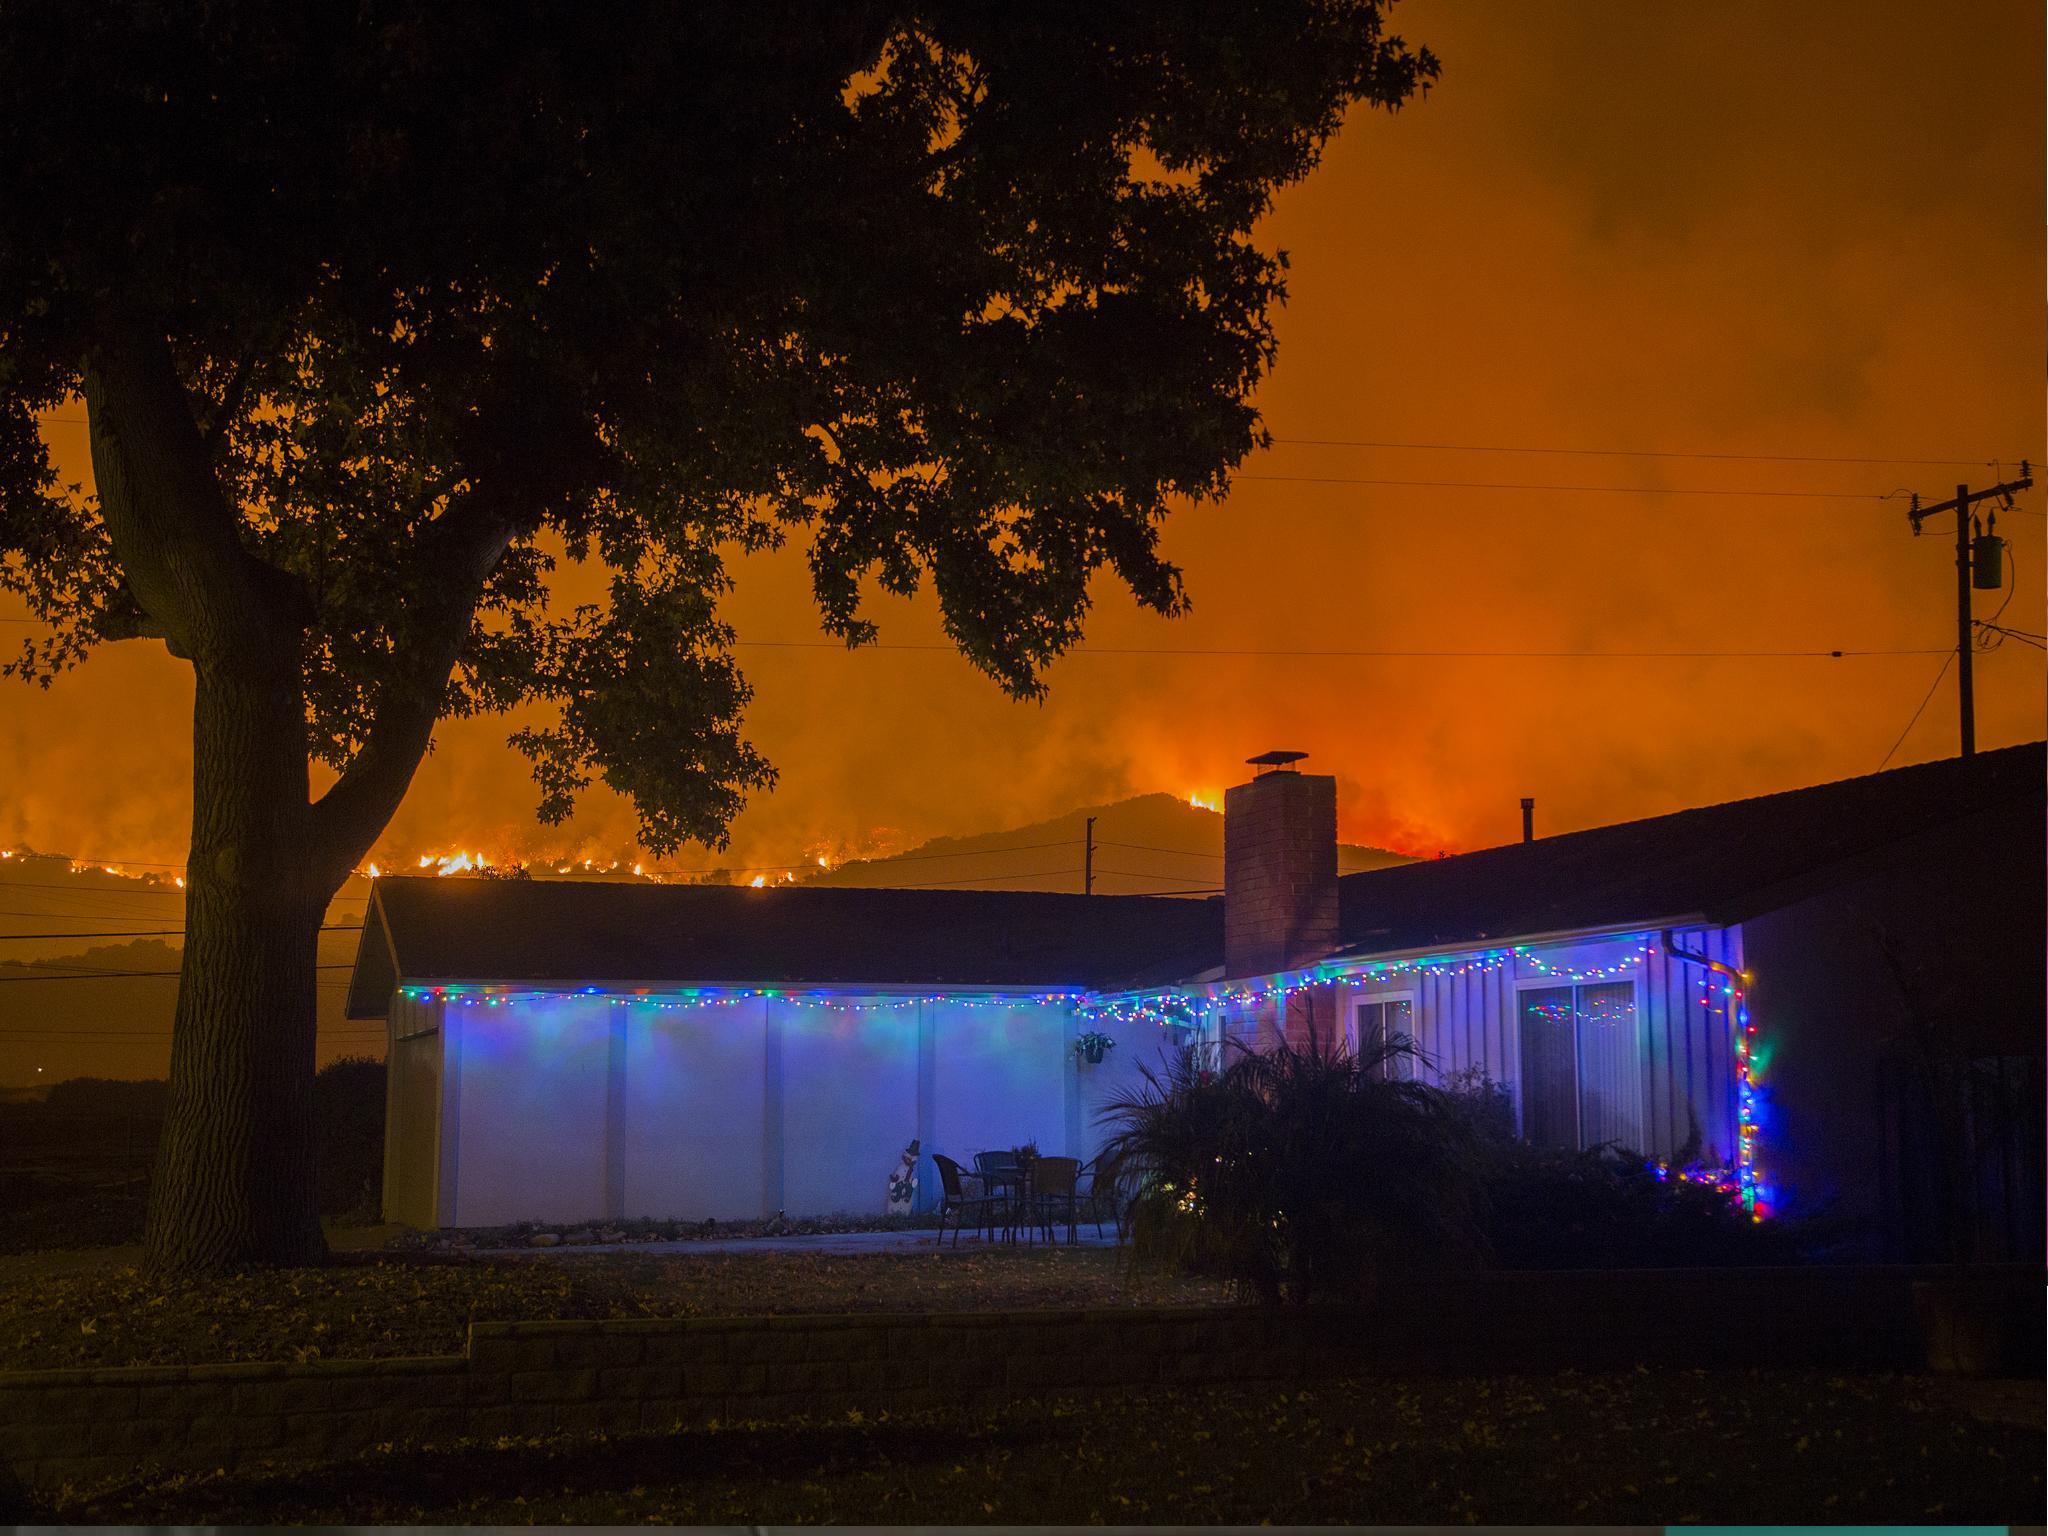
1296,1172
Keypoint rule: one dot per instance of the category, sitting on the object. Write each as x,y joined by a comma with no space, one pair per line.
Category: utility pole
1965,498
1088,860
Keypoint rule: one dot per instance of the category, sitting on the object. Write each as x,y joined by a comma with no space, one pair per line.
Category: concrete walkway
816,1242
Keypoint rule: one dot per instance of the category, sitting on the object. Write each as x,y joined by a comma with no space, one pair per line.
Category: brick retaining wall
519,1379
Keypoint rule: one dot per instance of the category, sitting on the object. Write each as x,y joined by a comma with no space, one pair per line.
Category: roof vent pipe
1528,819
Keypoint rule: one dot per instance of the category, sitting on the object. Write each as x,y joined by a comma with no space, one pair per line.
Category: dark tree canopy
376,305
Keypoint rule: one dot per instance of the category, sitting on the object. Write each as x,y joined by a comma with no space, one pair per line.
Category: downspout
1745,1090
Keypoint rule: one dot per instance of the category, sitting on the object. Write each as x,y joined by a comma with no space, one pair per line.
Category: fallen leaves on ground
361,1310
1629,1448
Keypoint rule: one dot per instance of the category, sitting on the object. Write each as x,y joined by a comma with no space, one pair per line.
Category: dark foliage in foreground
1306,1171
1602,1208
348,1112
107,1098
75,1169
379,311
1761,1447
1296,1172
1607,1209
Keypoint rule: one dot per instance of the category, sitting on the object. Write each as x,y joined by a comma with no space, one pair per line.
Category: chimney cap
1279,760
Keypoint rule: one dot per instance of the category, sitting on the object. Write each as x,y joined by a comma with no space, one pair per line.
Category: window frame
1409,995
1552,984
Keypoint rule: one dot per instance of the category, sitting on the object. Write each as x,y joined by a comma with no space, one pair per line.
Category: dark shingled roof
588,932
1720,863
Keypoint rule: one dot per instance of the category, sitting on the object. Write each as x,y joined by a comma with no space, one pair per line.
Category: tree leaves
961,297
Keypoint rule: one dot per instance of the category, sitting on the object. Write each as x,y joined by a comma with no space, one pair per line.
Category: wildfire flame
821,854
1204,802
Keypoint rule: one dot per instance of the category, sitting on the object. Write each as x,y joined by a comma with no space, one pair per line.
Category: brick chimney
1279,867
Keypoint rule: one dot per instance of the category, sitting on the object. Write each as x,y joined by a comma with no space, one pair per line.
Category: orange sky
1745,229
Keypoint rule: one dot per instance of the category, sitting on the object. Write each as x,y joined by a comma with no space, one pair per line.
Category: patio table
1009,1181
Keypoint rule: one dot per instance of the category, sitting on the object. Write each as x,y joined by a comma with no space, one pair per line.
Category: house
1831,998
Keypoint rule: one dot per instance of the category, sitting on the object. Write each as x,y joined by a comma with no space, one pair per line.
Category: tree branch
174,531
230,401
461,549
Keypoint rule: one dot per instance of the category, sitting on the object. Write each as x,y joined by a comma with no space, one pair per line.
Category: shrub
1486,1107
1295,1173
108,1098
348,1113
1608,1208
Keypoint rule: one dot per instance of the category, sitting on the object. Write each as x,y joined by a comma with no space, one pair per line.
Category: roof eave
374,976
1554,936
908,991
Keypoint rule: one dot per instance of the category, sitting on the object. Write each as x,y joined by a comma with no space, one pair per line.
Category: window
1381,1022
1579,1078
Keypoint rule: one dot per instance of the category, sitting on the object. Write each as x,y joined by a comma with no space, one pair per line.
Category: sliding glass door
1580,1081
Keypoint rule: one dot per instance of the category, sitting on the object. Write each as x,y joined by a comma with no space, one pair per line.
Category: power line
1621,453
143,933
1369,655
2025,637
1192,853
101,890
98,890
83,973
547,865
1295,652
48,1037
1609,490
1947,662
100,863
1039,874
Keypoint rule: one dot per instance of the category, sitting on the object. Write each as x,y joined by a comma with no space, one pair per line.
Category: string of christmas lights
1174,1004
682,998
1185,1008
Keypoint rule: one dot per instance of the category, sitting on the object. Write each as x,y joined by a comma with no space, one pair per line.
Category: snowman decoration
903,1182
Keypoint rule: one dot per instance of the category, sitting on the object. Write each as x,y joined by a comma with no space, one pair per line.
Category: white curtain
1610,1098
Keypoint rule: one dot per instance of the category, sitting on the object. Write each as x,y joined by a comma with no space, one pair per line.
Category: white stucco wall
1000,1078
570,1109
690,1137
1118,1075
849,1104
529,1140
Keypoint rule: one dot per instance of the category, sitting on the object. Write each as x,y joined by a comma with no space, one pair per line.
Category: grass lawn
1763,1447
112,1315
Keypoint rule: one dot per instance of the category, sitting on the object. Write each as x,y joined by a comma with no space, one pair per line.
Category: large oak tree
376,307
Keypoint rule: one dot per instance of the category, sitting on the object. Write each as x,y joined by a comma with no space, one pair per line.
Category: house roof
423,929
1719,863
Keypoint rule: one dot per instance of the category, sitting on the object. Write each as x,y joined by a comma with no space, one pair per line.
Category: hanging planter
1090,1046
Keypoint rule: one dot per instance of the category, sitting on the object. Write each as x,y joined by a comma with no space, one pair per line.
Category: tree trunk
234,1181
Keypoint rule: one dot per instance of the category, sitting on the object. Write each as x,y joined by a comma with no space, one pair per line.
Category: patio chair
1052,1195
1100,1195
955,1200
1004,1181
